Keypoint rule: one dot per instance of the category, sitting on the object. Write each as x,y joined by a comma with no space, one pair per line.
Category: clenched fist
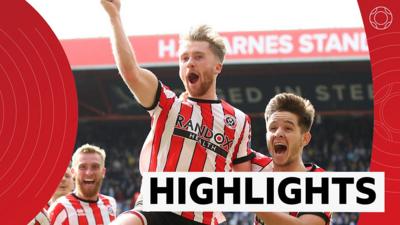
112,7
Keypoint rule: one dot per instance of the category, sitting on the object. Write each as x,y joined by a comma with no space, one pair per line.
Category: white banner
273,192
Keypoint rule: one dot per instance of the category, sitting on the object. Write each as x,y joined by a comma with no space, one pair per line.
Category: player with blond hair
202,133
85,205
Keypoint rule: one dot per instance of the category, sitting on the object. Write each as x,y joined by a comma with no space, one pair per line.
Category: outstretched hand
112,7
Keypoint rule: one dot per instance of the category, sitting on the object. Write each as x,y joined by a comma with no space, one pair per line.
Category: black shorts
164,218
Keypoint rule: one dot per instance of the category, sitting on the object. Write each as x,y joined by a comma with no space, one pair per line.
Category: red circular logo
381,18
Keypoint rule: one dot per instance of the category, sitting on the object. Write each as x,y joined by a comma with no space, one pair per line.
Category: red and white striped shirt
194,136
41,218
71,210
262,163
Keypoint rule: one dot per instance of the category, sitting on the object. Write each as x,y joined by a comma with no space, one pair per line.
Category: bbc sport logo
380,18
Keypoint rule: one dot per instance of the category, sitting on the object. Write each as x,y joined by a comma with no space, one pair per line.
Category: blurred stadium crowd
339,143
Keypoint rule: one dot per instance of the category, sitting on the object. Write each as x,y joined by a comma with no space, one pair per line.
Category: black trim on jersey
156,99
244,158
204,143
320,214
139,203
204,100
84,200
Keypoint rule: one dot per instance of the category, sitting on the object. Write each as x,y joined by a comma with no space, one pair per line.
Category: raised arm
142,83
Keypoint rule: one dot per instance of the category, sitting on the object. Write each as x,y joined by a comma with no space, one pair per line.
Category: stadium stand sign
242,47
105,95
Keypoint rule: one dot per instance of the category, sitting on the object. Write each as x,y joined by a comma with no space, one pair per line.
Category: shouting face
89,173
286,140
198,69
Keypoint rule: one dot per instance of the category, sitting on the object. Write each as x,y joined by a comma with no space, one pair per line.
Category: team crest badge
80,212
230,121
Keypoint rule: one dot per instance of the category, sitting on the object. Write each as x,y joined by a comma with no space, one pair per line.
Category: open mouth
193,78
88,181
280,148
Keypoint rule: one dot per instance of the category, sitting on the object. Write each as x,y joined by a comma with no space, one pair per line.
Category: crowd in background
339,143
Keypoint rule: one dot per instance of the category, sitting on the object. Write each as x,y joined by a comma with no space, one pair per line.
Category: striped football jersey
262,163
41,218
195,135
71,210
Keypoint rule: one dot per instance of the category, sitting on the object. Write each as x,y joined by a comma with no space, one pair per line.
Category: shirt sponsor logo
216,142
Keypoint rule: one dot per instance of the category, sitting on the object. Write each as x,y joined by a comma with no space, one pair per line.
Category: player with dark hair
202,133
288,120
